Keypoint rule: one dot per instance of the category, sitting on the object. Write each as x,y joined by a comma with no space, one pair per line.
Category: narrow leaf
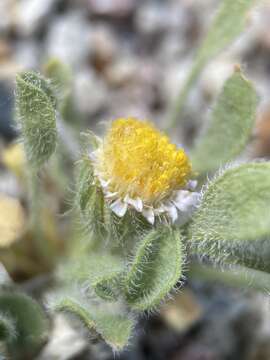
155,269
61,76
233,222
90,141
230,125
85,182
242,277
108,320
36,116
228,23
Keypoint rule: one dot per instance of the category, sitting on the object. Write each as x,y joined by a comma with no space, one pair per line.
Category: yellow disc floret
139,161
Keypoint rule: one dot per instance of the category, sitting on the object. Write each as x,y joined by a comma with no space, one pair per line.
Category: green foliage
85,183
239,277
60,74
90,141
23,324
232,121
97,219
230,20
99,271
155,268
90,201
36,116
228,23
105,319
61,77
233,217
130,266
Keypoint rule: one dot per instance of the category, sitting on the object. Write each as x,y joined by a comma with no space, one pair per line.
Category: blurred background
130,58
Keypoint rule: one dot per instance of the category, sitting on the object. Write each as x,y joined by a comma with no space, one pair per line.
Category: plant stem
240,277
35,197
178,105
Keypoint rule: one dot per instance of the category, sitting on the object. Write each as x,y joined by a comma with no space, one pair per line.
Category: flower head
138,167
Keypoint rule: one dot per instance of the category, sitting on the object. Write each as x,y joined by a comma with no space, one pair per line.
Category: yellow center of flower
141,162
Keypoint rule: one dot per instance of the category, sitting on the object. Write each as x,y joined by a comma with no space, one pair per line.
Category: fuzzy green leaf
232,222
60,75
90,141
102,272
155,269
123,231
230,126
93,214
36,116
85,182
242,277
108,320
107,287
28,319
229,22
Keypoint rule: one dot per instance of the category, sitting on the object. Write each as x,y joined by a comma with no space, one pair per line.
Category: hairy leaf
228,23
85,182
28,319
155,269
60,75
240,277
108,320
90,200
233,222
90,141
36,116
230,126
101,272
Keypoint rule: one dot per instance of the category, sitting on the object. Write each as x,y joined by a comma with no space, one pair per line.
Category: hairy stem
240,277
178,105
42,246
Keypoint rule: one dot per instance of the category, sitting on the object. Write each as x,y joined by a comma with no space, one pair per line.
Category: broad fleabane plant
139,201
143,214
144,207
